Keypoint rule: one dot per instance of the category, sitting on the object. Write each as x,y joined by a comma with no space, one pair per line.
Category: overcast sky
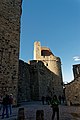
56,24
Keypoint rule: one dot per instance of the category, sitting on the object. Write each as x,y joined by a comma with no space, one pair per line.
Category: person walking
0,102
55,107
5,103
10,103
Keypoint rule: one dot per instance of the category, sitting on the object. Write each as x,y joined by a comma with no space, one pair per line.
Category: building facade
72,89
10,13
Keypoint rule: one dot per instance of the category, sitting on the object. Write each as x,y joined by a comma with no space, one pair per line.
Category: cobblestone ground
66,112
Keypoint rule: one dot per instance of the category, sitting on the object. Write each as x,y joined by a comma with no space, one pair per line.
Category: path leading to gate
30,108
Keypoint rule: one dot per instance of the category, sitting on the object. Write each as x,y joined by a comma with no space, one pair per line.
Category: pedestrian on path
0,103
10,103
5,104
55,107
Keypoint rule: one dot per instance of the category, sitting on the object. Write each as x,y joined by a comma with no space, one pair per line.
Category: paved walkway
66,112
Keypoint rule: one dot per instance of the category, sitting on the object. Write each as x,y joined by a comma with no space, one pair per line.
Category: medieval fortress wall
36,80
10,13
40,77
52,62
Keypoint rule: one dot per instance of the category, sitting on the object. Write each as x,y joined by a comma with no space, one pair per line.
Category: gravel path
66,112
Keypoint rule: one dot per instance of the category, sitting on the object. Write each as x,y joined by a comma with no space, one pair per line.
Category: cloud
76,58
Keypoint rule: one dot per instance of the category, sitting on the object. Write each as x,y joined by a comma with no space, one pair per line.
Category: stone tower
44,54
10,13
76,70
37,50
52,62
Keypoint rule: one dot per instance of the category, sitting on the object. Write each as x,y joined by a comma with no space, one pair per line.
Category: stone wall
72,89
24,82
72,92
36,80
10,12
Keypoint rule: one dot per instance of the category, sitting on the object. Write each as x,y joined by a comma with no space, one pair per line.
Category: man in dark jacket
5,104
55,107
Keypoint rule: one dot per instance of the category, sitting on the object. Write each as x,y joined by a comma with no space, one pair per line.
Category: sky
56,24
